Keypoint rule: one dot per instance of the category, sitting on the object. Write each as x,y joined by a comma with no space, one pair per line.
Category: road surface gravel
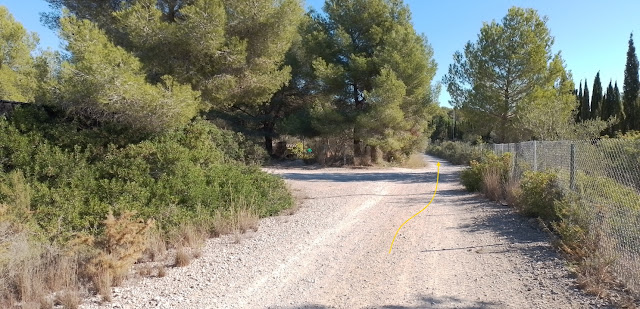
461,252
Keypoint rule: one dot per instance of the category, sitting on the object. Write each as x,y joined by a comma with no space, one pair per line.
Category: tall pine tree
631,87
375,72
596,98
508,82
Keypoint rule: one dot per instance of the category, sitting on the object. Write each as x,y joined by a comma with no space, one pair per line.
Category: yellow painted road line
425,207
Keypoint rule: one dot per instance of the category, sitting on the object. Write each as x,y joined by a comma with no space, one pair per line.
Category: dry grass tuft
246,219
512,192
197,253
31,270
162,271
145,270
594,275
192,236
68,299
237,237
416,160
242,220
156,246
119,248
102,282
183,258
492,184
221,225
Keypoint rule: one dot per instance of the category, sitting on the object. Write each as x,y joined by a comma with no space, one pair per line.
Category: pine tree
509,79
584,105
596,98
630,88
231,51
363,49
17,74
108,84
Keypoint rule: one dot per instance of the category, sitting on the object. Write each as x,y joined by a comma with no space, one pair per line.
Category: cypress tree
630,87
579,103
618,109
596,98
584,105
607,104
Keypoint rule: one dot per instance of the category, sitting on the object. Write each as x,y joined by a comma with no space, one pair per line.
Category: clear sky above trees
592,36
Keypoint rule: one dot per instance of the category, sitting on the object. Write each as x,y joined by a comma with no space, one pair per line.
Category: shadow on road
424,302
351,176
339,177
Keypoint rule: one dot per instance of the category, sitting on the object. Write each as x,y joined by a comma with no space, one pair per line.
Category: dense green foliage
541,195
232,52
612,107
17,71
180,176
472,178
106,83
372,73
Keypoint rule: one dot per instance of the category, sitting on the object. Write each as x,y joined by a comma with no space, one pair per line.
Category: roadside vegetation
147,132
570,215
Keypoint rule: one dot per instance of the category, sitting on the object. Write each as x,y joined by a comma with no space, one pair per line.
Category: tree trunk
268,144
375,158
357,142
267,129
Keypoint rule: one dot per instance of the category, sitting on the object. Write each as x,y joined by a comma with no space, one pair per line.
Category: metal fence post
535,157
572,168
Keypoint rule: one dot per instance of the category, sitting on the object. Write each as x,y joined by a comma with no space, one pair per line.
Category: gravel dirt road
461,252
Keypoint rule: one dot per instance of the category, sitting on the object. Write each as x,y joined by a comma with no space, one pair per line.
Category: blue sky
592,35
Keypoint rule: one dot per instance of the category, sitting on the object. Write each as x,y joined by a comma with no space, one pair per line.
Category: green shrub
472,177
174,178
541,195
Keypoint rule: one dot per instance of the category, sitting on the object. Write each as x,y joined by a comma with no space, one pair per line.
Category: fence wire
604,175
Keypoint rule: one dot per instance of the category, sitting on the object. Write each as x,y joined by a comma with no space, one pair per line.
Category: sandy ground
461,252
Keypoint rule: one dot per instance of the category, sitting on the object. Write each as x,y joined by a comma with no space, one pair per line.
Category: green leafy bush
541,195
176,177
472,177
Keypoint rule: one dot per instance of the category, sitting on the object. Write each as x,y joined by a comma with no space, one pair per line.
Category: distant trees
612,107
508,82
584,103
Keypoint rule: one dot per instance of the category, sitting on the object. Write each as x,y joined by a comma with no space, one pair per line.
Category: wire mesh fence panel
605,176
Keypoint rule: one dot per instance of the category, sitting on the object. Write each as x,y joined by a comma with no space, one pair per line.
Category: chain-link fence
604,175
